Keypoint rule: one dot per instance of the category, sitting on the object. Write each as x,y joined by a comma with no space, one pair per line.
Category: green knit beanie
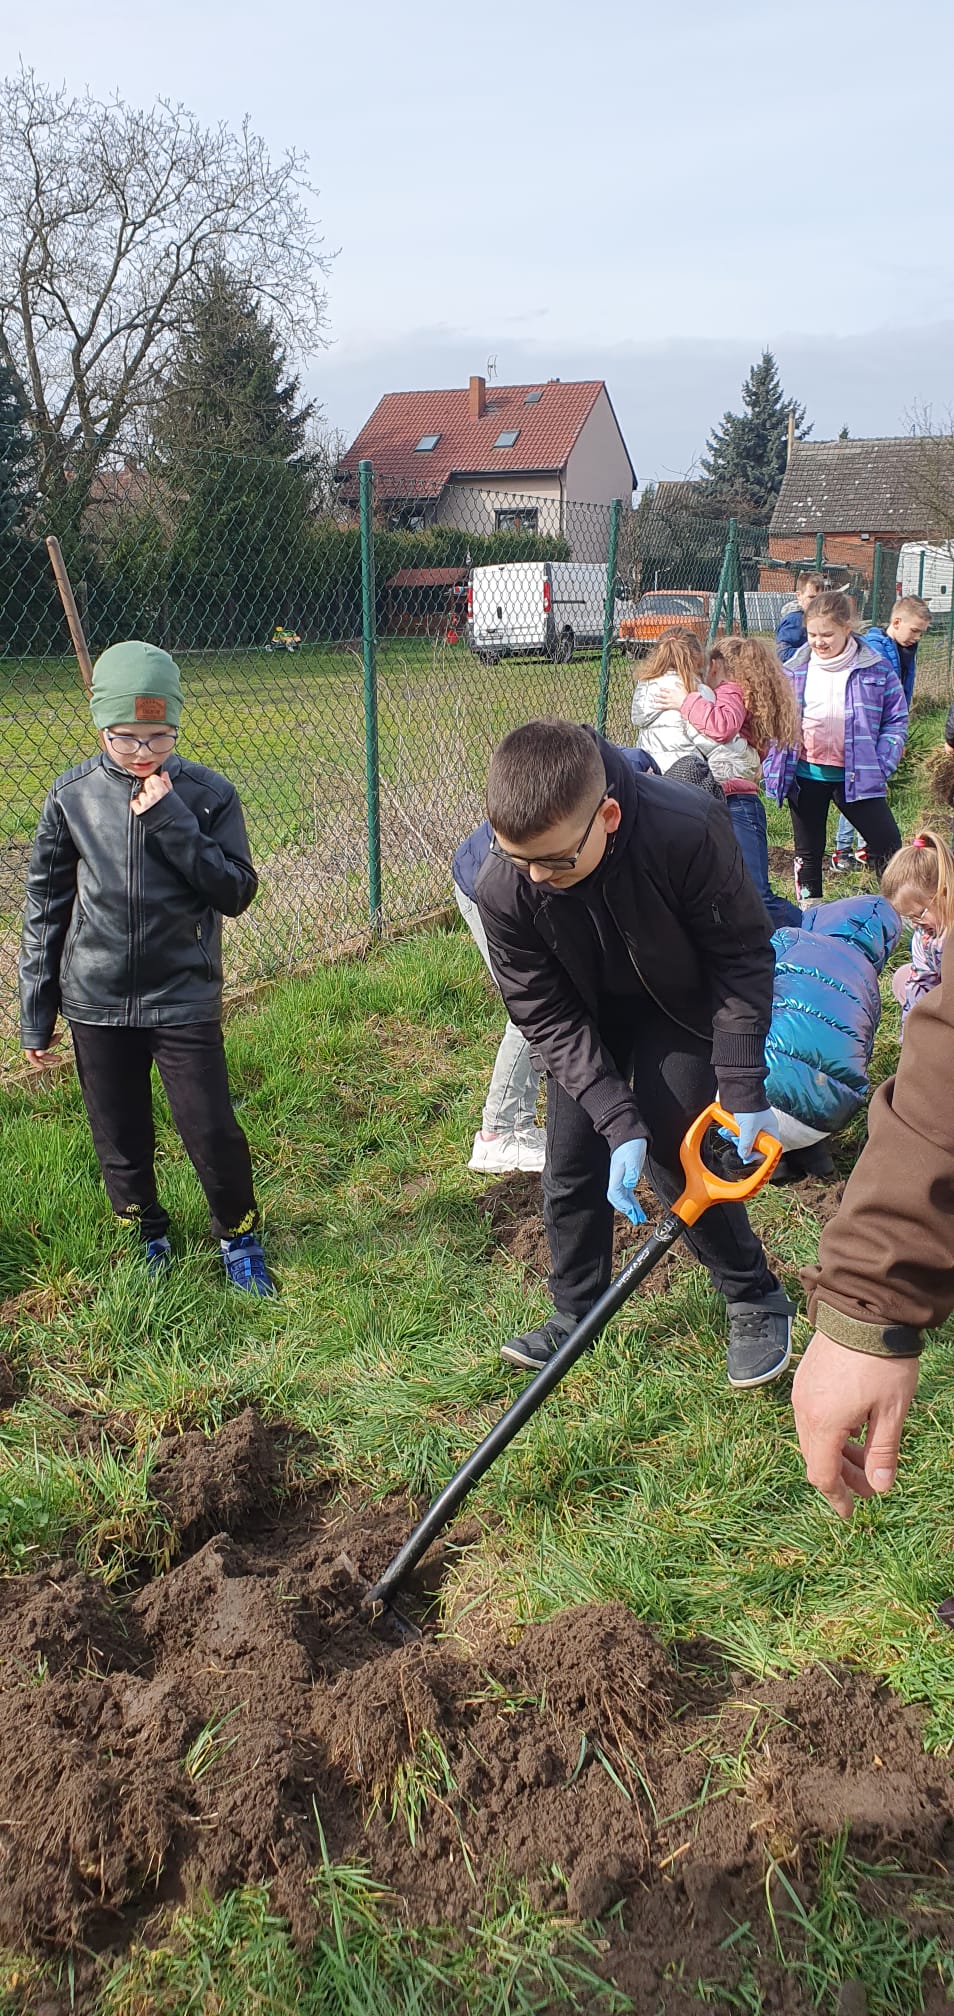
136,682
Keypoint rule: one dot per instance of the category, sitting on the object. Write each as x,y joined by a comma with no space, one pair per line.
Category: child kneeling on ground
825,1014
138,855
919,883
633,952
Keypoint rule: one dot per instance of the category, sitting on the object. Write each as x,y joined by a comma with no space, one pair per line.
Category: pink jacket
736,766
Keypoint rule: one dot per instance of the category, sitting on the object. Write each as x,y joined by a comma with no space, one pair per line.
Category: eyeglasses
558,862
129,745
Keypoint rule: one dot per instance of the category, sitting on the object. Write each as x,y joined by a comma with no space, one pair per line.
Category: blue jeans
747,814
846,839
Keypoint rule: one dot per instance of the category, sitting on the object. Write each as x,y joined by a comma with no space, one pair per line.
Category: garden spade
702,1188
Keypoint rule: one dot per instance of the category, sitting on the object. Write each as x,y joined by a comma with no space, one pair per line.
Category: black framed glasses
558,862
130,745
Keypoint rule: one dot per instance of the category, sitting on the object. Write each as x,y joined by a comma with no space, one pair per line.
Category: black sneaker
815,1160
760,1340
536,1347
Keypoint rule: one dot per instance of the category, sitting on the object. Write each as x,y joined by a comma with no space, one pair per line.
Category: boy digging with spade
634,953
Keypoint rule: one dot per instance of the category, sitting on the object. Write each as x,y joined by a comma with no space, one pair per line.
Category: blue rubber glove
750,1124
626,1168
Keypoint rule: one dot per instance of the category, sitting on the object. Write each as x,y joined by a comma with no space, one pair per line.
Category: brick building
857,493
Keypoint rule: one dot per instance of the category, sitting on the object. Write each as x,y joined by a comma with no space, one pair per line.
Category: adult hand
626,1168
837,1394
40,1059
750,1124
153,790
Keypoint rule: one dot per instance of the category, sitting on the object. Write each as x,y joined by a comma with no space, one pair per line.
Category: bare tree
107,215
931,485
326,451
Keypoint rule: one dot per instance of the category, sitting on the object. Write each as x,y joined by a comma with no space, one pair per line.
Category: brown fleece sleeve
886,1260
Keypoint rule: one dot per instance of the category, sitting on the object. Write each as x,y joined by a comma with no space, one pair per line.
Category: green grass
644,1478
280,726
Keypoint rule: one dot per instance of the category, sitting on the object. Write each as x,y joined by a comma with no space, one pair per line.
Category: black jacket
123,914
688,919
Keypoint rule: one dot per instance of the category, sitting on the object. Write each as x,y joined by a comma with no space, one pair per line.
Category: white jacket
666,735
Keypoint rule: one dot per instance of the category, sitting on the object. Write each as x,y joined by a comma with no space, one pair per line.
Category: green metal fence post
819,551
609,613
876,582
720,591
740,588
921,572
369,656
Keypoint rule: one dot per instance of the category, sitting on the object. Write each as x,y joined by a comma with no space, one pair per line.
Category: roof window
426,443
506,437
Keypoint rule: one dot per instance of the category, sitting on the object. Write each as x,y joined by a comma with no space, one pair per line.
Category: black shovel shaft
439,1514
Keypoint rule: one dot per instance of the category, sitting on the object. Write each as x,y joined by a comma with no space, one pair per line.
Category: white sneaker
502,1154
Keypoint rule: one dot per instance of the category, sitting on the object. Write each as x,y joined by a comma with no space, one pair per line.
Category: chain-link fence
352,668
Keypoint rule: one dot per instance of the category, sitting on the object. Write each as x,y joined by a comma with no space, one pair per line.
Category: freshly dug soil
512,1207
184,1736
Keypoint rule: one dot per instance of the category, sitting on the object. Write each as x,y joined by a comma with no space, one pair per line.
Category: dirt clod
210,1486
155,1744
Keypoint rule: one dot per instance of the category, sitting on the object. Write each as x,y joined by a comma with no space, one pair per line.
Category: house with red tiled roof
546,458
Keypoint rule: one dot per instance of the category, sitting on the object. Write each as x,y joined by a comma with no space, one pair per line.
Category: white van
551,606
933,579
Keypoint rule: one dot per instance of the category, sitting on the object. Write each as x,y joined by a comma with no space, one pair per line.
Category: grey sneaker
760,1340
536,1347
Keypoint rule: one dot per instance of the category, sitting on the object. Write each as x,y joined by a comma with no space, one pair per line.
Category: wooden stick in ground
71,612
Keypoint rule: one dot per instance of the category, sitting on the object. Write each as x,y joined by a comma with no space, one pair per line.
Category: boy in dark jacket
791,633
137,857
633,952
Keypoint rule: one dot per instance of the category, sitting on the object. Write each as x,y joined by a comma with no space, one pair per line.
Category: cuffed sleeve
886,1261
218,863
50,896
542,1002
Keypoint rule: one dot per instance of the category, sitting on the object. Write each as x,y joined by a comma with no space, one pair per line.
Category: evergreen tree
27,617
228,389
17,460
746,453
231,437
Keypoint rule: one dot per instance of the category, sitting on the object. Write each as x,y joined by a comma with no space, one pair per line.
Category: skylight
426,443
533,398
507,437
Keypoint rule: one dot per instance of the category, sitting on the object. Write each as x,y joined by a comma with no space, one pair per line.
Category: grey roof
683,495
852,486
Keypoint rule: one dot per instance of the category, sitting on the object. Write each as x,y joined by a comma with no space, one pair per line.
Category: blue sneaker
244,1264
158,1256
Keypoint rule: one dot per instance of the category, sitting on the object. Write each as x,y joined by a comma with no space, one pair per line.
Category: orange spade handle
702,1186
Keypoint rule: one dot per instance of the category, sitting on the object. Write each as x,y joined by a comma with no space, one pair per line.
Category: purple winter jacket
876,725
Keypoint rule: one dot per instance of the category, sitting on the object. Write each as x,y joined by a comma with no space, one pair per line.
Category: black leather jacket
672,900
123,913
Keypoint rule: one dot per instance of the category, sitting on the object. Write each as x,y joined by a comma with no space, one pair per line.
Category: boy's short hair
539,774
911,605
816,581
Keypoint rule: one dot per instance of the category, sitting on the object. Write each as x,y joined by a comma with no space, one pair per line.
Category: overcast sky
646,194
